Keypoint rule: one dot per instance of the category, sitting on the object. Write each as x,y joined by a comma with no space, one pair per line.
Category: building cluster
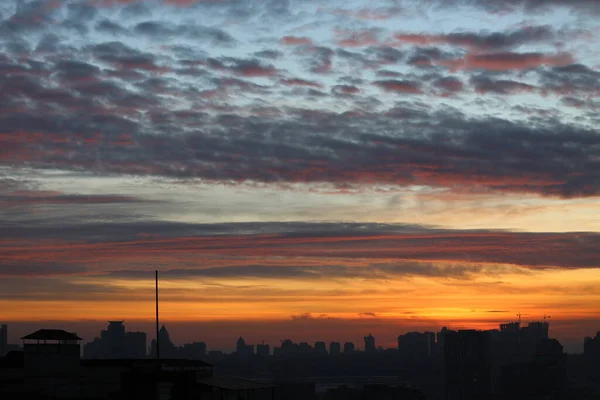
514,361
114,342
591,347
50,367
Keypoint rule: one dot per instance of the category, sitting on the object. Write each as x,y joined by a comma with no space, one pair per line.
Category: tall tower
3,340
370,344
467,362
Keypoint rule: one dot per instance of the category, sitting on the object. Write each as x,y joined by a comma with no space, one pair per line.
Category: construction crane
520,315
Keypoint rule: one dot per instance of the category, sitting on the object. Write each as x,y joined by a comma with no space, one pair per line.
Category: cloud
485,84
24,198
296,41
506,61
357,39
299,82
483,41
368,314
393,85
383,250
345,89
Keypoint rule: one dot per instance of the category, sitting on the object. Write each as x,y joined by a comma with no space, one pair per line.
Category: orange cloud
296,41
507,61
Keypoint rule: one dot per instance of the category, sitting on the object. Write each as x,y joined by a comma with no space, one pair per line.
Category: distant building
370,344
591,347
348,347
335,348
114,342
194,351
167,348
321,348
243,349
3,340
416,345
263,350
467,365
50,367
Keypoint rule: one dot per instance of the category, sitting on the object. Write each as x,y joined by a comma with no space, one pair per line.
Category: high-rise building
167,348
194,351
3,340
370,344
591,347
320,347
468,365
416,345
240,346
263,350
348,347
335,348
114,342
135,345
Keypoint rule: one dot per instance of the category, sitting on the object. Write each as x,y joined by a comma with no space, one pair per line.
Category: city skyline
232,341
300,168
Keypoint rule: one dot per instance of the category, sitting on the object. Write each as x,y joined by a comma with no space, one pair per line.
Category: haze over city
312,170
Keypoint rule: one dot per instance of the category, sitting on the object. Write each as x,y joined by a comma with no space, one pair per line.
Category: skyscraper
3,340
370,344
468,366
348,347
320,347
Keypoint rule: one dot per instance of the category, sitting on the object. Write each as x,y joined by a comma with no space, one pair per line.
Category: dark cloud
449,84
484,84
26,198
385,250
393,85
483,41
107,26
345,90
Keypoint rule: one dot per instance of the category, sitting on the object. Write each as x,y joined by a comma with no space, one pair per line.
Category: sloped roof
51,334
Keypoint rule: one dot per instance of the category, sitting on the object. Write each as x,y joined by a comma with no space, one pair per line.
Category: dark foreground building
50,367
468,365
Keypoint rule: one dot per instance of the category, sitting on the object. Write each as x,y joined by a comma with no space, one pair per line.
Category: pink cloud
296,41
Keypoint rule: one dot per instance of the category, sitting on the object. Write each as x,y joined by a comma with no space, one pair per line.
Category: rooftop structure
52,334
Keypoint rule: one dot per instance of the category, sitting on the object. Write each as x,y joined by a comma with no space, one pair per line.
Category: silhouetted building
240,346
370,344
243,349
114,342
52,363
544,377
3,340
167,348
135,345
467,365
194,351
321,348
263,350
591,347
348,347
416,345
335,348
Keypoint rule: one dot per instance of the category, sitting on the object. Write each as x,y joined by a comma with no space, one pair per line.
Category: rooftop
51,334
127,362
232,383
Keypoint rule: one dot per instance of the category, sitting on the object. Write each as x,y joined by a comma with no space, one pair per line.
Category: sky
303,169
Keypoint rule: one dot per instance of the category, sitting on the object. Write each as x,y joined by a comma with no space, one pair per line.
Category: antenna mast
157,329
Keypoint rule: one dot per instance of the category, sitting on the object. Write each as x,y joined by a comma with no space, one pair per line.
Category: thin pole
157,329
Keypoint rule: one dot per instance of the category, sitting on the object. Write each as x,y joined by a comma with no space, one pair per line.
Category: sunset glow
296,168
